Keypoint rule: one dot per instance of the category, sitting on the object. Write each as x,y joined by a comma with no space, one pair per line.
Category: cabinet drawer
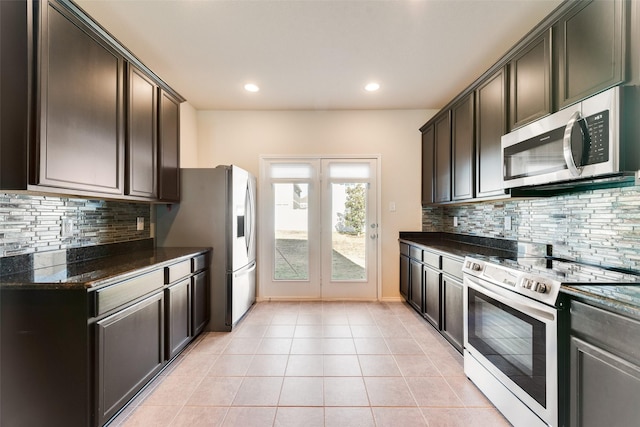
415,253
452,267
177,271
431,258
121,293
404,249
198,263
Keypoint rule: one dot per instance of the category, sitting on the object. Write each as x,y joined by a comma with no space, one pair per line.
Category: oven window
512,341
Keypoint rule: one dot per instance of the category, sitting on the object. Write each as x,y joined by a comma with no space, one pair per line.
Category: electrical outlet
455,221
67,228
507,223
392,206
140,223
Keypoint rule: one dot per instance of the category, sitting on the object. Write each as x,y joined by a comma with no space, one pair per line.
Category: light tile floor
316,364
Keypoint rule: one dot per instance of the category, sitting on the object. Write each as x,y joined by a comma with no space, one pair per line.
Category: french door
319,229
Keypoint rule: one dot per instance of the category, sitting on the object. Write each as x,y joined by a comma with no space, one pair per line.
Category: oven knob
476,267
526,283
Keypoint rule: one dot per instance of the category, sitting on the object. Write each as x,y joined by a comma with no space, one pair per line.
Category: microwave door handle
566,142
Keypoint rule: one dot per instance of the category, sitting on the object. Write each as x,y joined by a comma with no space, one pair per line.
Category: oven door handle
506,297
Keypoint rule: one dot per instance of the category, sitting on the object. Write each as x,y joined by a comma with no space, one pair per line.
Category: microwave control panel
598,125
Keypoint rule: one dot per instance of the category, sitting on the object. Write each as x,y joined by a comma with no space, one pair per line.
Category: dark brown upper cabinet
86,116
462,149
169,142
442,175
530,78
590,49
428,164
491,120
79,138
142,129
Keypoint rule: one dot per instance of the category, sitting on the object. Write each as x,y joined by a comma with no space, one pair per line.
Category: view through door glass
291,232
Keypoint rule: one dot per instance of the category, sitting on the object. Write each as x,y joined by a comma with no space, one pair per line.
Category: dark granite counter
622,299
459,245
71,269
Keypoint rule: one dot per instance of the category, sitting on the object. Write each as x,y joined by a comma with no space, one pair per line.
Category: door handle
566,143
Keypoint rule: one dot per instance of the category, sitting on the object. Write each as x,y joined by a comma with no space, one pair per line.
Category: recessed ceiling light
250,87
372,87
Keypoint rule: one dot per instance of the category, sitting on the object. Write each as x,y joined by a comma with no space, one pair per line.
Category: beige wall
240,137
188,136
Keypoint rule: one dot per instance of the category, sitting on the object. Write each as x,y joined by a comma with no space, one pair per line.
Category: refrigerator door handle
244,271
249,214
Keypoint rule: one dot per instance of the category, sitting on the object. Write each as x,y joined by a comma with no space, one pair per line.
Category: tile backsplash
30,223
597,226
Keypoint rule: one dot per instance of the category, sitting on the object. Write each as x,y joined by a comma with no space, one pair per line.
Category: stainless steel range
512,319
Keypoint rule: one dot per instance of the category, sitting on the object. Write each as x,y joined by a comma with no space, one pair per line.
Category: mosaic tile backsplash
599,226
31,223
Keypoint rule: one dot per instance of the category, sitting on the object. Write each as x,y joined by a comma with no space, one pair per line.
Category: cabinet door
452,314
590,49
141,134
416,287
490,126
169,140
442,157
178,300
428,164
200,302
129,353
530,77
603,388
80,106
462,148
404,277
432,296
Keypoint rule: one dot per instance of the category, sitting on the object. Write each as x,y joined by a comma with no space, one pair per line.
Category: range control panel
527,283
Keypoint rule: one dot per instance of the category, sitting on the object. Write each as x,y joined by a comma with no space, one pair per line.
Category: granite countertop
60,271
460,245
621,299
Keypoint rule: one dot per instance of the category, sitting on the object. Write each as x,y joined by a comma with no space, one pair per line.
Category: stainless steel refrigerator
217,209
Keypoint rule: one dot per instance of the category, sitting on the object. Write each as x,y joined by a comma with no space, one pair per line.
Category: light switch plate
140,223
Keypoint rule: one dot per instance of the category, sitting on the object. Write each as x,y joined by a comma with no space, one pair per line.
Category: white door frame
264,242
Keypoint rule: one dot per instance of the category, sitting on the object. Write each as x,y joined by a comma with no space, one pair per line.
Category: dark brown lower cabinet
604,368
404,276
431,281
452,311
178,306
432,296
74,357
200,301
129,353
416,290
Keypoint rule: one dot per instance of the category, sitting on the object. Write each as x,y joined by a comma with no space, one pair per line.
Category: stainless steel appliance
512,319
217,209
595,138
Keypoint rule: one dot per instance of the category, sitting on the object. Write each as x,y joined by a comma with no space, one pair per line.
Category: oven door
515,339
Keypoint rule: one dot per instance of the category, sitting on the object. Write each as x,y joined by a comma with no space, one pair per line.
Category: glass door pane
348,237
291,231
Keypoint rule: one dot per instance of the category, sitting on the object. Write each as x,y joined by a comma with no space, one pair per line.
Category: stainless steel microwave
598,137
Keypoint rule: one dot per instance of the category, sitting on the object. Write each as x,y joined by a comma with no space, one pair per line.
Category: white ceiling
318,54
